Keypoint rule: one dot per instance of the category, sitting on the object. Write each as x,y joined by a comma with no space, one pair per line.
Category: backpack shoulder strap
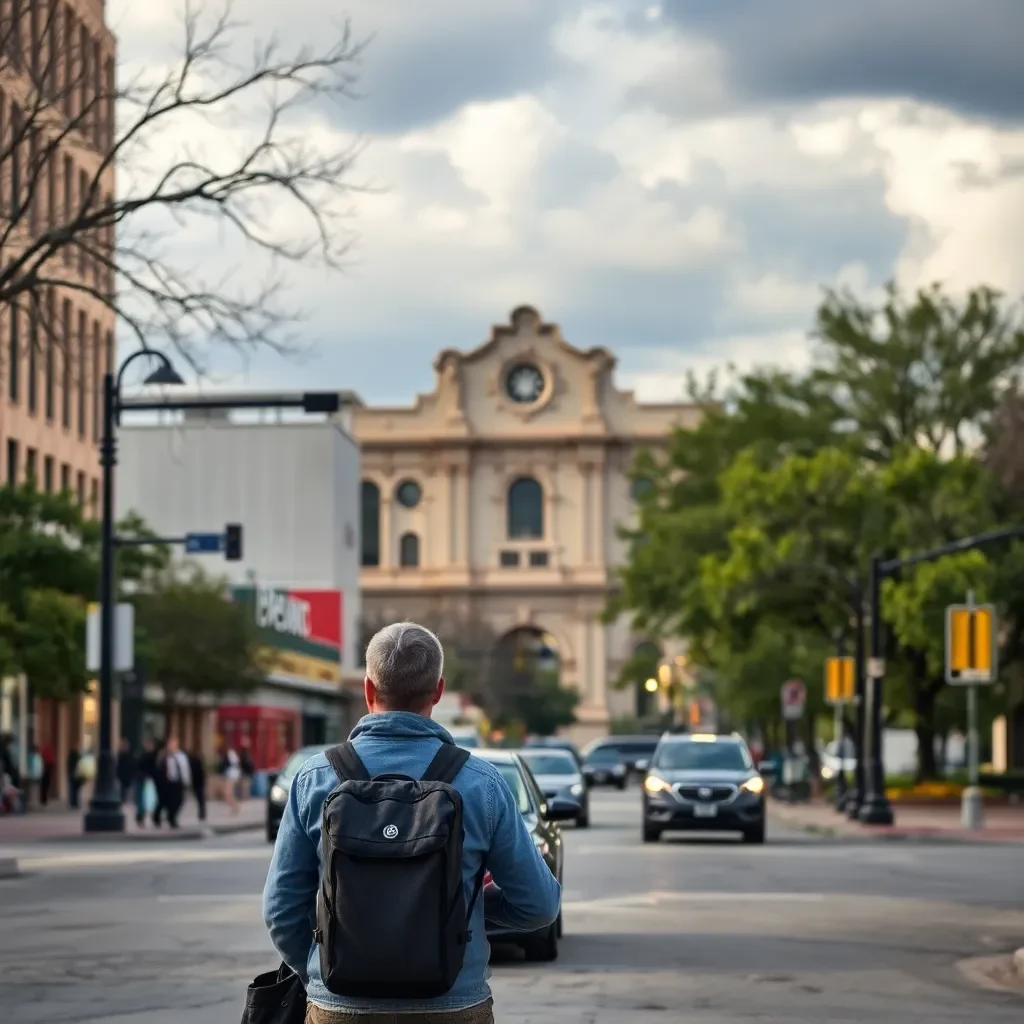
346,763
447,763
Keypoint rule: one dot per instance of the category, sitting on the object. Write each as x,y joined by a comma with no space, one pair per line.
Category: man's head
404,666
172,744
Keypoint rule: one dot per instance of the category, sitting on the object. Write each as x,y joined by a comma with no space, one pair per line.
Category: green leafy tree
193,638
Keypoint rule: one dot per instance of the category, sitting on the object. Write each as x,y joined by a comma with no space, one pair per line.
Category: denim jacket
495,834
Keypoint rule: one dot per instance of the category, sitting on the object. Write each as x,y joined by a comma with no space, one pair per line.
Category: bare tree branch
281,188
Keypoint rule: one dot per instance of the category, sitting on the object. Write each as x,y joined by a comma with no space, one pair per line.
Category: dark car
555,743
604,766
558,775
541,816
635,751
703,783
277,796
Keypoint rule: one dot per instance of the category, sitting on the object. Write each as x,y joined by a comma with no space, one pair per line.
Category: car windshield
514,780
550,763
297,760
604,755
689,756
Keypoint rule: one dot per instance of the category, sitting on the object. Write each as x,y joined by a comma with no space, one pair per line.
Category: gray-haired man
404,680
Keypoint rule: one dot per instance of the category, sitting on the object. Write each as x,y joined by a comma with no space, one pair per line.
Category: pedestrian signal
840,684
970,644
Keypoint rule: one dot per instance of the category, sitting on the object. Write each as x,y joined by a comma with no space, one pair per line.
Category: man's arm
530,896
289,898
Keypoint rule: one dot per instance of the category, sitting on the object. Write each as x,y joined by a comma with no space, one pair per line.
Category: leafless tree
68,125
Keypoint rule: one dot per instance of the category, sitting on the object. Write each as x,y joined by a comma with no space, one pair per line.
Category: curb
9,867
1018,962
152,836
841,831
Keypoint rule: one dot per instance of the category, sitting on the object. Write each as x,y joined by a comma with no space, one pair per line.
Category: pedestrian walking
126,768
230,771
145,781
198,771
177,778
49,764
159,783
392,879
34,785
85,771
247,768
74,783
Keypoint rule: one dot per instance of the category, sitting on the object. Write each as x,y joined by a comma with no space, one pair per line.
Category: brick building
57,79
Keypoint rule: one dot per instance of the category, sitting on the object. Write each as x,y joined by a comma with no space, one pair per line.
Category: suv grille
700,793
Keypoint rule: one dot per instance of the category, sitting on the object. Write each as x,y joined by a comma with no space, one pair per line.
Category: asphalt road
708,932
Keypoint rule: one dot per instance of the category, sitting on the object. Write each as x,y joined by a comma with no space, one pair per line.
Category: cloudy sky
674,181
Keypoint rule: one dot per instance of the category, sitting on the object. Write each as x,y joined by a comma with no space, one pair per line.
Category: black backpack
391,913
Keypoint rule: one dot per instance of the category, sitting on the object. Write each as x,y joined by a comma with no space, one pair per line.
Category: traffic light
233,542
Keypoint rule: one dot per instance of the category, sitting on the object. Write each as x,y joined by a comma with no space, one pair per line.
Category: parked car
280,783
558,775
703,782
634,751
555,743
831,761
604,766
541,816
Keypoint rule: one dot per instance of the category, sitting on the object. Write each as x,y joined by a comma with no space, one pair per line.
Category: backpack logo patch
391,832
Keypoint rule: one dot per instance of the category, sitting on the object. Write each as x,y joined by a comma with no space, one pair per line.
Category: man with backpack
373,896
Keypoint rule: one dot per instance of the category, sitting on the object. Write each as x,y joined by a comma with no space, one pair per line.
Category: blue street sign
203,543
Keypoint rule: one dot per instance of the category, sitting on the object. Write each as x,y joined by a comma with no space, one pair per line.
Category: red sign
323,624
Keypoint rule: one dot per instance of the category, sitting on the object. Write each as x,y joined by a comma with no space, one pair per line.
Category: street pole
105,813
970,807
855,797
875,808
840,735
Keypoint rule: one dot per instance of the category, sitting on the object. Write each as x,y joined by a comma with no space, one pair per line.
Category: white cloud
707,231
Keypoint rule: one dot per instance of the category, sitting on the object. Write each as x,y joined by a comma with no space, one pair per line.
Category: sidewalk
59,823
1000,824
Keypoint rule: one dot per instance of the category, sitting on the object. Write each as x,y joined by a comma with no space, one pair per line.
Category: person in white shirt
177,777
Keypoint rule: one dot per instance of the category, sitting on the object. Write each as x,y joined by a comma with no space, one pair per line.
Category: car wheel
583,821
622,784
651,833
271,835
558,926
755,834
543,947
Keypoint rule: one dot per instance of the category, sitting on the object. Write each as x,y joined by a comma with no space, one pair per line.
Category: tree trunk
924,727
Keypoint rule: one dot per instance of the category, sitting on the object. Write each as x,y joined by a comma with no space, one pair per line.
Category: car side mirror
766,767
643,764
561,809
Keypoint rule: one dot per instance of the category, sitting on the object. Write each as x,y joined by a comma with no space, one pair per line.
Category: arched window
409,550
370,522
525,509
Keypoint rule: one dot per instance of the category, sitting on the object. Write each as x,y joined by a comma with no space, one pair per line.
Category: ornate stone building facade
496,497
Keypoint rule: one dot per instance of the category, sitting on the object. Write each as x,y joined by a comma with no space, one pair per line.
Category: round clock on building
524,383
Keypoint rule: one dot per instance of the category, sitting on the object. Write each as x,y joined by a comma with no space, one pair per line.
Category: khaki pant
483,1013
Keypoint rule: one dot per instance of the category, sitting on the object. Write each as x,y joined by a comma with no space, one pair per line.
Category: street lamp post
105,813
840,733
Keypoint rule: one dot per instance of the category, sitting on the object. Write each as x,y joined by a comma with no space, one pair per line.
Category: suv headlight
754,785
655,785
278,794
576,789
